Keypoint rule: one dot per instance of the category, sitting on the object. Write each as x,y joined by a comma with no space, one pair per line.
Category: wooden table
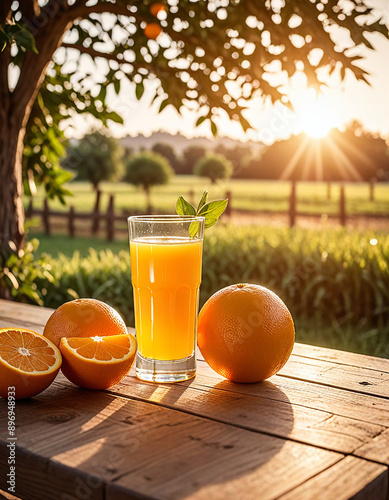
317,430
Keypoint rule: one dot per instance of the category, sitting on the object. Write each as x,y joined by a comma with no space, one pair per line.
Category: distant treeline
352,155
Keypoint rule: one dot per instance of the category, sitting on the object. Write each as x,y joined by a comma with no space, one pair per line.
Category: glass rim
165,218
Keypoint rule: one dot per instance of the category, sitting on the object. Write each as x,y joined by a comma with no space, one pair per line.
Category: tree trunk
148,200
11,205
15,109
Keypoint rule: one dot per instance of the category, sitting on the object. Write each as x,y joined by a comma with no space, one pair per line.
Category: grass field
247,195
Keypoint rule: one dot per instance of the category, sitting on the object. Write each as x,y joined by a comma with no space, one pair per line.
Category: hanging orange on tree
152,31
157,7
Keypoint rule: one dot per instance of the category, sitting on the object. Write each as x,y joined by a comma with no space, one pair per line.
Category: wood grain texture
377,449
272,416
337,401
351,478
354,378
41,478
207,438
107,439
341,357
222,465
24,312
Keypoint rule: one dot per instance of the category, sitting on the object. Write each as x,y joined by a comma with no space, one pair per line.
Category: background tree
352,155
95,158
166,150
238,155
214,166
191,155
148,169
211,44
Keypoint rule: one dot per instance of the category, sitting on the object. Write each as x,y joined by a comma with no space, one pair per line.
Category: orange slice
97,362
29,362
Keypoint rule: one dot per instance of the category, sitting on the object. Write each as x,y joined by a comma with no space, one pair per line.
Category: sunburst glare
315,115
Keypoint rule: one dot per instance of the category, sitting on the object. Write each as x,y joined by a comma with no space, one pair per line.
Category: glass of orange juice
166,276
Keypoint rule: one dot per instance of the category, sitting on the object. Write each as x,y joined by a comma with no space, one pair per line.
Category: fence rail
110,217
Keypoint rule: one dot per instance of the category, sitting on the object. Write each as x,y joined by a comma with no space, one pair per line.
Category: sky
338,104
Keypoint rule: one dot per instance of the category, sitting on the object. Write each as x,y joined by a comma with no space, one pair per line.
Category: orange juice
166,275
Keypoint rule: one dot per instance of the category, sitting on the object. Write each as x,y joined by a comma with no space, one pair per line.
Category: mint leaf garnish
203,200
210,211
193,228
183,207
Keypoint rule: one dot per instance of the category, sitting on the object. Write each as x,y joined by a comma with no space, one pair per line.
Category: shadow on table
212,437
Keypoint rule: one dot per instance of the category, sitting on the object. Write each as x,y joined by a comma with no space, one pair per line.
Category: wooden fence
109,219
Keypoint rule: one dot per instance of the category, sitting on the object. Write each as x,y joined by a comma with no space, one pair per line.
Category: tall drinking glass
166,276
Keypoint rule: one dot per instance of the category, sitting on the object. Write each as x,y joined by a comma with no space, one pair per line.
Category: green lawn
246,195
53,245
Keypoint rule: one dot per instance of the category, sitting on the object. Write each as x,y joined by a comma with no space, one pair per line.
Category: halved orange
29,362
97,362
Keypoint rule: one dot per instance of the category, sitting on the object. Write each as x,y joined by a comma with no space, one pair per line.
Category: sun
316,117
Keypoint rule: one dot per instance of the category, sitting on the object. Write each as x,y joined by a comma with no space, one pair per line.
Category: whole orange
156,8
152,31
83,318
245,333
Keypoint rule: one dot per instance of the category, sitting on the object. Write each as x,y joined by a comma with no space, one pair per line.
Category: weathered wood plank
337,401
353,378
24,312
11,323
377,449
341,357
265,407
42,478
274,416
152,451
246,473
351,478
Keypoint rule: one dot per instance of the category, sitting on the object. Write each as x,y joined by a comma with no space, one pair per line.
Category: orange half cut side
28,361
97,362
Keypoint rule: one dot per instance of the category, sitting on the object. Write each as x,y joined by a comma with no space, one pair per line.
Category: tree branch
29,8
33,71
5,9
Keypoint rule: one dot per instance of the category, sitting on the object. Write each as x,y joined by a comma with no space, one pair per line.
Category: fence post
111,218
342,206
372,186
292,205
45,217
71,222
328,190
30,209
96,213
229,207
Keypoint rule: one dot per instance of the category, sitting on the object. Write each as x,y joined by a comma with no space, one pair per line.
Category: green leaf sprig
210,211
